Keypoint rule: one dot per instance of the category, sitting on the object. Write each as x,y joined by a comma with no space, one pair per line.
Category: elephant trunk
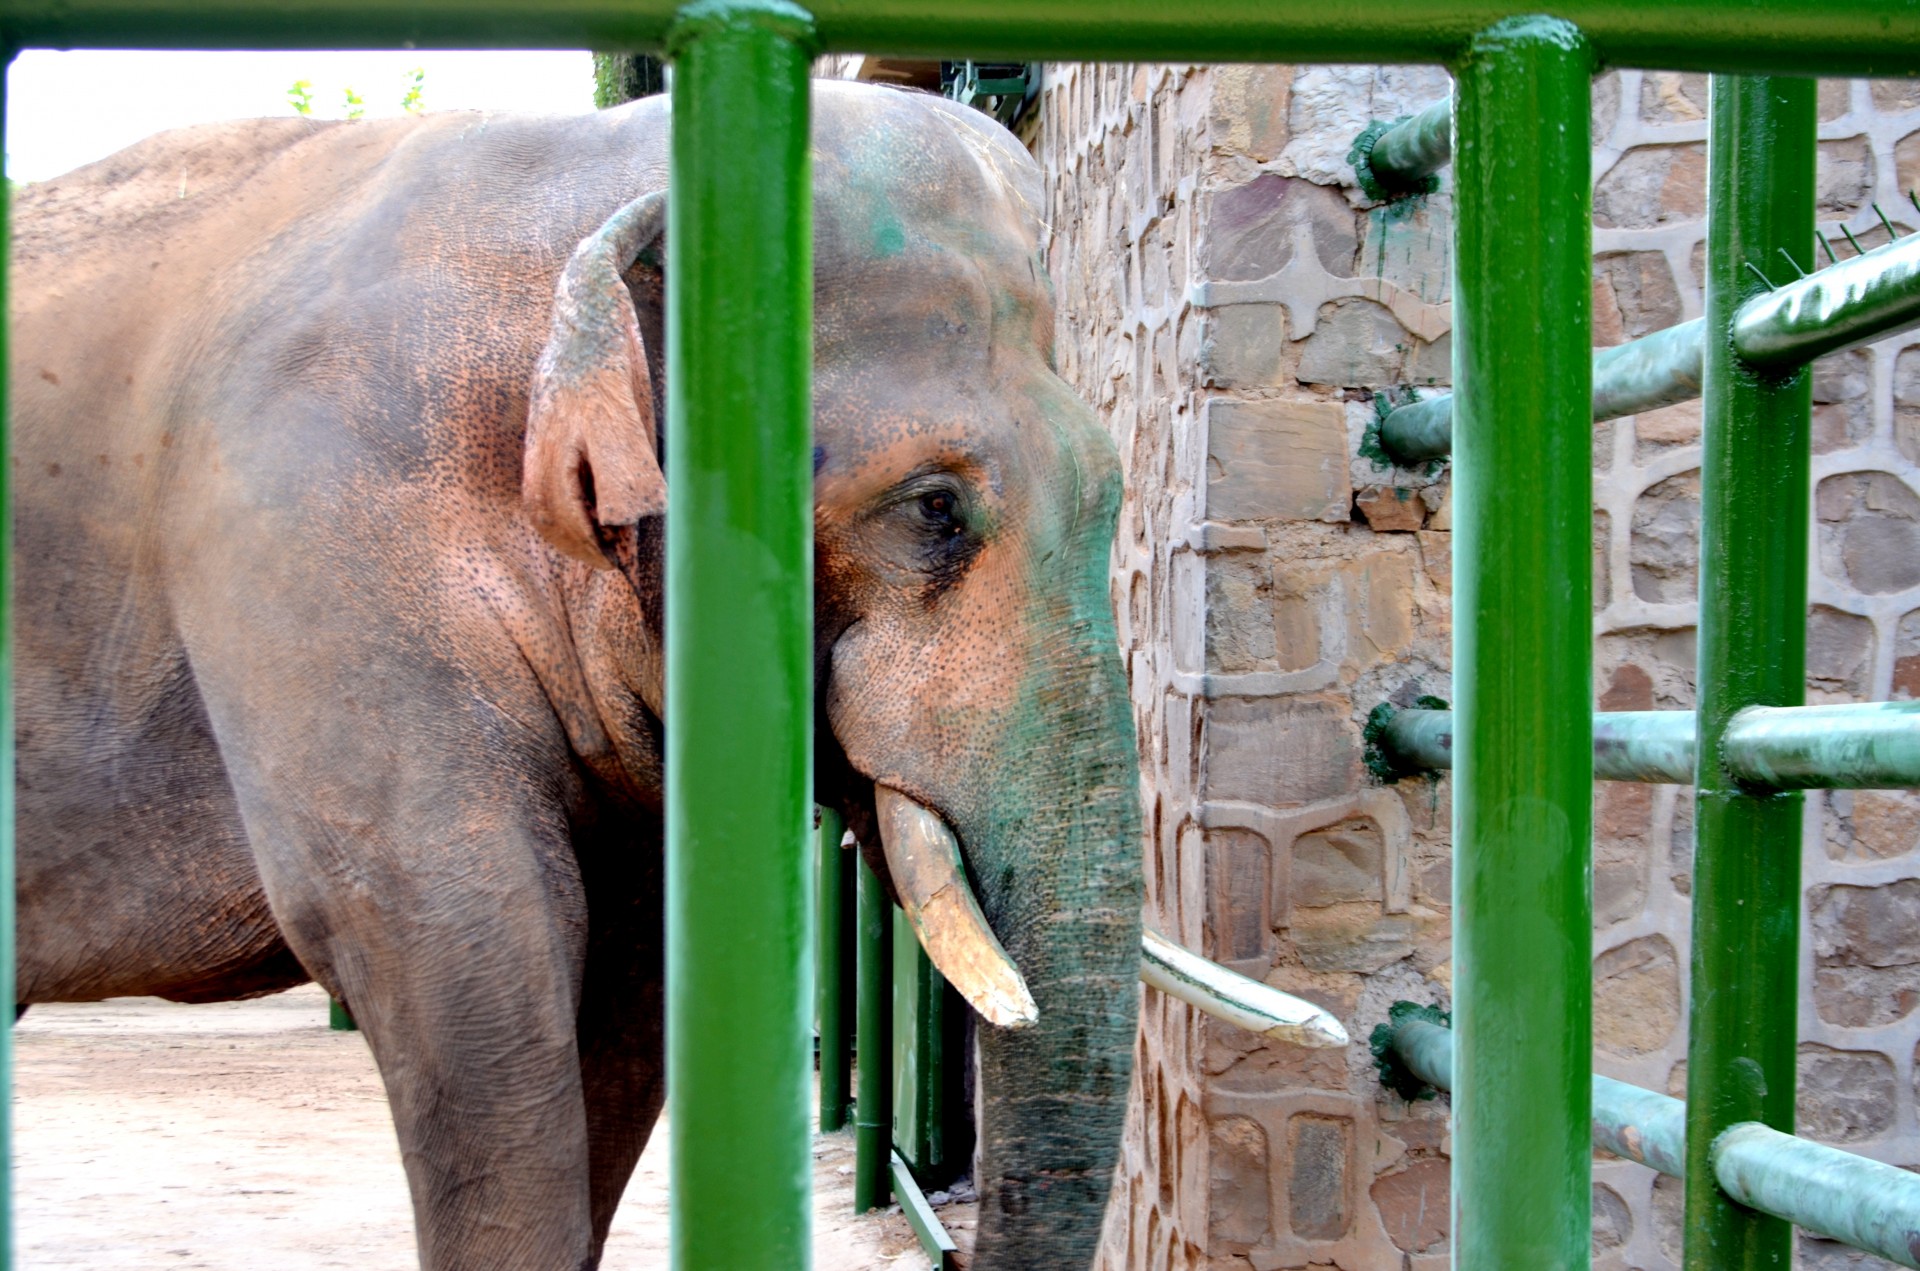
1061,880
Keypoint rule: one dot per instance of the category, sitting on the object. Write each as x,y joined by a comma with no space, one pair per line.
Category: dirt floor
248,1135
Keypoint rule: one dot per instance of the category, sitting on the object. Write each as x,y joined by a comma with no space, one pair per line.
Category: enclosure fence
739,572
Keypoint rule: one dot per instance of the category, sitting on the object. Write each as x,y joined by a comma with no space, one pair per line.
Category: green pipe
6,731
1645,374
1405,156
1865,746
873,1112
1856,300
1853,746
1781,36
1523,781
739,756
831,970
1829,1192
1836,1194
1754,513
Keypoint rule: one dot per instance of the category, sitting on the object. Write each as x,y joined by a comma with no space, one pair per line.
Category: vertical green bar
1523,713
830,979
872,1116
6,725
739,638
1754,516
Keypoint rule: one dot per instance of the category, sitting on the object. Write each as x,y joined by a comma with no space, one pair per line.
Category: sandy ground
247,1135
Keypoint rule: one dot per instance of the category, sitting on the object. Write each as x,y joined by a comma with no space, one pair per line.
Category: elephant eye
940,510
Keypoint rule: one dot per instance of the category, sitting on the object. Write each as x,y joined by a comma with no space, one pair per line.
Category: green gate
740,884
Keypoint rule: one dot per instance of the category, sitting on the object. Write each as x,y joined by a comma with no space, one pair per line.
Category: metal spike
1797,271
1857,249
1831,258
1762,277
1914,199
1891,231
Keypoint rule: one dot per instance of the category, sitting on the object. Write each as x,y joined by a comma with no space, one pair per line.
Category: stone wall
1231,306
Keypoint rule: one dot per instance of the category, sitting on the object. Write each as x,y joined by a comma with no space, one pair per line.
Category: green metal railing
739,571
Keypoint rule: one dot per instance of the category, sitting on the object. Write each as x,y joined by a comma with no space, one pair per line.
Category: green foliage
621,77
300,97
414,101
356,105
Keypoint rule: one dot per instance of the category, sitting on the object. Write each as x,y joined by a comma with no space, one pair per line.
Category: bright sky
66,109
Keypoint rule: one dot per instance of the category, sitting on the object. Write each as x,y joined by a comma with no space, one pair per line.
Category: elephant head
974,720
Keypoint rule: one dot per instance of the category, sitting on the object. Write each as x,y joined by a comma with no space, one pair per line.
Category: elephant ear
592,454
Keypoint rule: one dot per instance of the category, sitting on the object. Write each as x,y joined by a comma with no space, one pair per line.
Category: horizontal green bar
1645,374
1854,746
1875,746
1804,37
934,1239
1832,1193
1856,300
1837,1194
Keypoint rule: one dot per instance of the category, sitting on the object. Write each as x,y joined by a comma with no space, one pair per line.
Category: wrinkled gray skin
314,681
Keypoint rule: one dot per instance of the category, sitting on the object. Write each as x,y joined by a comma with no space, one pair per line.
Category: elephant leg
622,1010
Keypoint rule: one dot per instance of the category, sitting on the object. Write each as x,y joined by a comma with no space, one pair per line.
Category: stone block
1844,1096
1629,688
1355,344
1886,822
1237,864
1843,179
1379,607
1636,997
1839,650
1281,751
1237,1208
1652,185
1249,110
1870,531
1277,459
1664,547
1357,937
1240,634
1676,425
1634,295
1319,1150
1414,1204
1866,944
1672,97
1340,863
1391,508
1243,346
1251,229
1612,1220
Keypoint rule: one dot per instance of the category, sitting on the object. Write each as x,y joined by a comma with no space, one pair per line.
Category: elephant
339,546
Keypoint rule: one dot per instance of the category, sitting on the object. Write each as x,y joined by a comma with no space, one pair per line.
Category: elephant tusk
924,859
1226,994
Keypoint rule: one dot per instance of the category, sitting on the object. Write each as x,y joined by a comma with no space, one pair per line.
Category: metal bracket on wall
1002,89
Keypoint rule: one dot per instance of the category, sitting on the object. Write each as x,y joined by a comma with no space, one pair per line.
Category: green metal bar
1853,746
1753,622
7,980
872,1116
1829,1192
1405,157
339,1018
740,638
1781,36
1867,746
1856,300
832,970
934,1240
1836,1194
1523,781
